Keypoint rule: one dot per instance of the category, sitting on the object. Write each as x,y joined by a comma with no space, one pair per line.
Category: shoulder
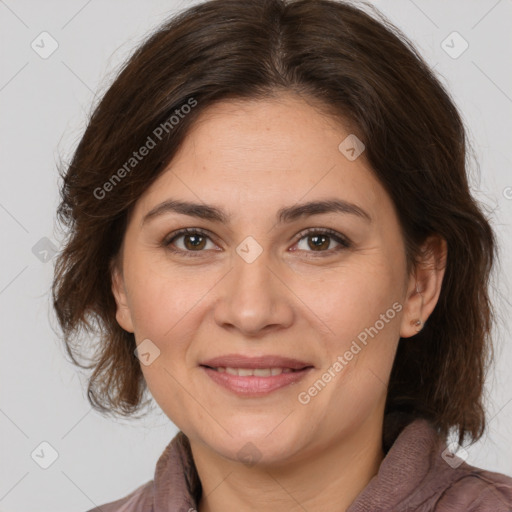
476,490
431,478
139,500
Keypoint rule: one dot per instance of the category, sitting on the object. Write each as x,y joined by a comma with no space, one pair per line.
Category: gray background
43,105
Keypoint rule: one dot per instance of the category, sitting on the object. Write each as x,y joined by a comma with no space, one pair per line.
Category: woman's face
257,284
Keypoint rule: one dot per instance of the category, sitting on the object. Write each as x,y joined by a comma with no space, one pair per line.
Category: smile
258,372
254,382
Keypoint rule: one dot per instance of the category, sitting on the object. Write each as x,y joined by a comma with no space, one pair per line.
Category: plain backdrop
44,103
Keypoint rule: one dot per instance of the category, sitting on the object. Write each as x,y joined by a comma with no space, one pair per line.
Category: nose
254,297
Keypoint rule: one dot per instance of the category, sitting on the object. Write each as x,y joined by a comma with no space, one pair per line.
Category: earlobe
424,286
123,314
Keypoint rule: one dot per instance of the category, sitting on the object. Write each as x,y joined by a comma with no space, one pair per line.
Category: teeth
258,372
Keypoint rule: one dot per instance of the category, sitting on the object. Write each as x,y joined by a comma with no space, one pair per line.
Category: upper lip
241,361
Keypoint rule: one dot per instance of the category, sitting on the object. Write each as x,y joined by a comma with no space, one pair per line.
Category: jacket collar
408,473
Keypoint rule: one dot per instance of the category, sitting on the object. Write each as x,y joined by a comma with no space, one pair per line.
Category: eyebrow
284,215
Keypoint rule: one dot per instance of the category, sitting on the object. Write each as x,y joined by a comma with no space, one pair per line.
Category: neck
327,480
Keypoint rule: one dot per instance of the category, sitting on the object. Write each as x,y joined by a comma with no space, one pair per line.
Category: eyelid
186,231
338,237
166,242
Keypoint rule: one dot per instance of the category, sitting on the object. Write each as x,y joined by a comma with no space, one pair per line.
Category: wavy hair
359,69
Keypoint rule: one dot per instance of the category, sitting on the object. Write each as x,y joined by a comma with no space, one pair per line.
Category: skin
252,158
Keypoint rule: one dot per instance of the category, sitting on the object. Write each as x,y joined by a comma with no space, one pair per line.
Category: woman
271,230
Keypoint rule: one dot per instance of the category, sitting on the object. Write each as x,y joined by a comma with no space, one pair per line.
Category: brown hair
365,73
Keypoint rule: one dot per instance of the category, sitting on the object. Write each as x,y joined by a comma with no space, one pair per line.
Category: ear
424,286
123,314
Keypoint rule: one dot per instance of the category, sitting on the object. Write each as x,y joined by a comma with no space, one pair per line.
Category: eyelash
343,241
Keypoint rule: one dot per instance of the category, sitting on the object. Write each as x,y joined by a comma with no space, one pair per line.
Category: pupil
317,238
197,243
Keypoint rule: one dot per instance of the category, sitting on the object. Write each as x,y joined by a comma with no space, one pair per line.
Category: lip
269,361
253,386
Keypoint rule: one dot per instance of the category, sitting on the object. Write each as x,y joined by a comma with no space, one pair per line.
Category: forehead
284,129
253,152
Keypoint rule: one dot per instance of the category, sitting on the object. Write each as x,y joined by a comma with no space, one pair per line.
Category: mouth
255,376
242,362
257,372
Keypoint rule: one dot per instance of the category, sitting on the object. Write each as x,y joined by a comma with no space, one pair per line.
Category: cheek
163,309
159,301
362,308
355,298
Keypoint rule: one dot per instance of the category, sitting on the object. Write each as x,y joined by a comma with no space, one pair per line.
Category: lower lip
253,386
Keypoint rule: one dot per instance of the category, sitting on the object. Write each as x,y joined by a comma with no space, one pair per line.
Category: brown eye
320,241
194,240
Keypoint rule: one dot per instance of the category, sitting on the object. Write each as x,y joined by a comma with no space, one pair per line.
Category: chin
261,444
